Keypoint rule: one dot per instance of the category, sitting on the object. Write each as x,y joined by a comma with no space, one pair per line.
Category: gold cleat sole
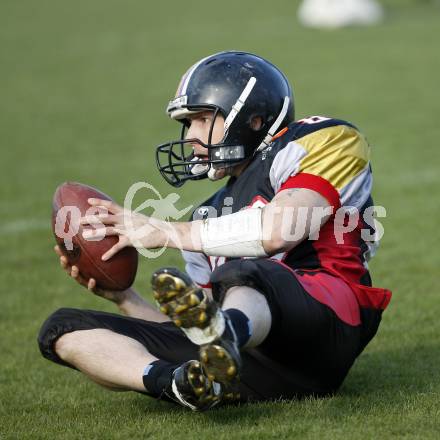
201,386
218,364
185,304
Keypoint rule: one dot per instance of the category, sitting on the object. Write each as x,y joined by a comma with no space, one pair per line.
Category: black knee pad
239,272
62,321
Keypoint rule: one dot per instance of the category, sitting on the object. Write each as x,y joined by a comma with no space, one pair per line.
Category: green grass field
84,88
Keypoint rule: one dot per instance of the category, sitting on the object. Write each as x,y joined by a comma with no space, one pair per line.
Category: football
68,206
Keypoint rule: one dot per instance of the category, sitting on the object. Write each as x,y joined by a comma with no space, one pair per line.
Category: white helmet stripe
240,102
275,125
190,74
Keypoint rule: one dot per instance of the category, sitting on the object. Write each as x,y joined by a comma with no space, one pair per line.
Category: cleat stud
191,376
199,391
178,322
171,294
177,283
220,354
231,371
161,279
164,310
202,317
211,377
181,308
193,300
156,295
204,357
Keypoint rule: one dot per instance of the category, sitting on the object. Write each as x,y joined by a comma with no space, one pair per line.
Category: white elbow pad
234,235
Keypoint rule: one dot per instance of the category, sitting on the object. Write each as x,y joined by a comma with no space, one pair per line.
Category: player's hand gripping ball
69,205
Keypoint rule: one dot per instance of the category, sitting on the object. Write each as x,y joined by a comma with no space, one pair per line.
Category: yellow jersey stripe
338,154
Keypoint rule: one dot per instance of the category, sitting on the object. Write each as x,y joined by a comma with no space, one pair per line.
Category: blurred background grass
84,86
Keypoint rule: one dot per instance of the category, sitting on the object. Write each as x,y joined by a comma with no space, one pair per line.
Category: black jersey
329,156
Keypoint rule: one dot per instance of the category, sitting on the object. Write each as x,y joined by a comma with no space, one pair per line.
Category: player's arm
292,216
251,232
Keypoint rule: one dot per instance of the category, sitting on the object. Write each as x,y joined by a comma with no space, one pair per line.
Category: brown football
119,272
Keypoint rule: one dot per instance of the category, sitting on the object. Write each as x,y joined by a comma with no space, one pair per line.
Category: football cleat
177,297
187,305
221,359
193,389
204,323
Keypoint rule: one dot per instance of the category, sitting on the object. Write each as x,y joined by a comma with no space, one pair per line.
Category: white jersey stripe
286,164
357,191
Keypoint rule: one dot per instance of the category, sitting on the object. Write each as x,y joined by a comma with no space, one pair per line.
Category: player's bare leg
108,358
210,327
254,305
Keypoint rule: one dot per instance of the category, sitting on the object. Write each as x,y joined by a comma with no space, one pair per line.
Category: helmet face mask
178,163
240,87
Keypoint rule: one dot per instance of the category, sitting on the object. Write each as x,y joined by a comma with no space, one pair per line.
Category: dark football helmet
240,86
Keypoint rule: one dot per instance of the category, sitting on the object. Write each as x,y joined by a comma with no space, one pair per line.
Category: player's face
199,129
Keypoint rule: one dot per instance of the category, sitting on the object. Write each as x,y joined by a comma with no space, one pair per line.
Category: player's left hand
133,229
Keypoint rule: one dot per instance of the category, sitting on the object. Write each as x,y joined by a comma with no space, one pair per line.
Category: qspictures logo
288,222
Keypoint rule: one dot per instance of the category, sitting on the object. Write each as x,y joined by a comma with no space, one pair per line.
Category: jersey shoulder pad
335,150
328,148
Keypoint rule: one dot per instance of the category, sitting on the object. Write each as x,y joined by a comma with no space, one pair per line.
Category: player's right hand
90,284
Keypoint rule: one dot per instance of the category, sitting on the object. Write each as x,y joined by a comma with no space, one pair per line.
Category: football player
268,308
340,13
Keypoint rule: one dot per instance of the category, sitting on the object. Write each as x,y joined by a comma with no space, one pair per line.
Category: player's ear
256,123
